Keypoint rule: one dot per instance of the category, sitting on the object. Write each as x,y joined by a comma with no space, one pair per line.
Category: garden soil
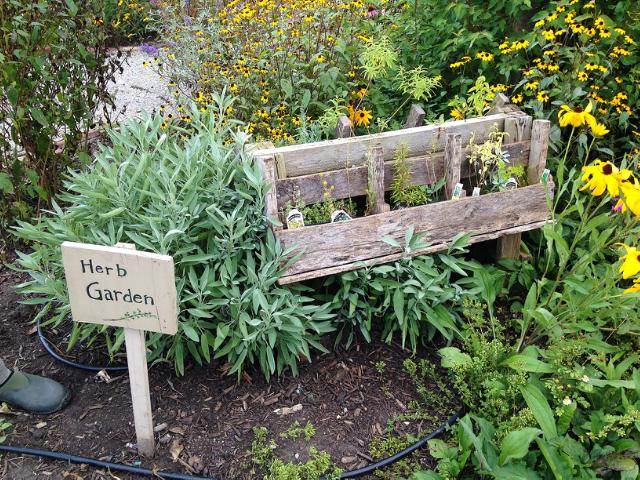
204,420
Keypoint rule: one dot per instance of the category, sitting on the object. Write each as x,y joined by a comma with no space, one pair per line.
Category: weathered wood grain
360,239
319,157
352,182
453,157
376,180
539,148
517,129
268,167
300,277
344,129
415,118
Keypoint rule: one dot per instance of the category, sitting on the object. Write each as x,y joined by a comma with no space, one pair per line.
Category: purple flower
149,49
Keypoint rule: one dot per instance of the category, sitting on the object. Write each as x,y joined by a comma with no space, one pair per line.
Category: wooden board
347,244
340,153
352,182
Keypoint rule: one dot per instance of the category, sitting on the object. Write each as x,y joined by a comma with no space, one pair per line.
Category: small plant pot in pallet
434,152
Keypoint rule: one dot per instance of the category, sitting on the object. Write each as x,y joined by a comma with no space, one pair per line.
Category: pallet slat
352,182
347,243
309,158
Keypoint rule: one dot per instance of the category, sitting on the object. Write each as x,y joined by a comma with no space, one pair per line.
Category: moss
297,431
273,468
389,445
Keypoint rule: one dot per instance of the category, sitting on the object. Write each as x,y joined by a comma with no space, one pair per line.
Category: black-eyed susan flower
576,117
583,76
542,96
601,177
631,261
599,130
635,288
363,117
485,56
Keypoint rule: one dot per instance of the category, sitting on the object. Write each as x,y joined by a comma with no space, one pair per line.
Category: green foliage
319,464
128,20
387,446
412,297
4,426
54,72
193,196
402,192
297,431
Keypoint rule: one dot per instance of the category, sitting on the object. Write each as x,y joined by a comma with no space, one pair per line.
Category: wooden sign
121,287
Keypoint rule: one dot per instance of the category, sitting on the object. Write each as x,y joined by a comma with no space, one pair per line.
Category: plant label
121,287
457,192
476,192
545,175
511,184
295,219
340,216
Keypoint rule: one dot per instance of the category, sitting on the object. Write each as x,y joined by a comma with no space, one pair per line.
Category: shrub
191,195
54,71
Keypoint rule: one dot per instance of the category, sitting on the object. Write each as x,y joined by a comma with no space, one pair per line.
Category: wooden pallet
435,151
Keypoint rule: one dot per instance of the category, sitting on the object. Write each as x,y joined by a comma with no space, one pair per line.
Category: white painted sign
121,287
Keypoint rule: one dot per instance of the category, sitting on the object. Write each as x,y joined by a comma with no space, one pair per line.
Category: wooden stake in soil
120,287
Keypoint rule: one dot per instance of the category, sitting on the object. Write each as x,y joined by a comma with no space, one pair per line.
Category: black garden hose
169,475
69,363
179,476
98,463
404,453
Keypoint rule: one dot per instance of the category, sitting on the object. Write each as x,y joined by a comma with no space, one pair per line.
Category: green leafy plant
54,74
402,192
411,298
196,197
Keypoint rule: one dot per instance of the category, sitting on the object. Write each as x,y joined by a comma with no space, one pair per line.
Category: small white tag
476,192
545,175
340,216
295,219
511,184
457,192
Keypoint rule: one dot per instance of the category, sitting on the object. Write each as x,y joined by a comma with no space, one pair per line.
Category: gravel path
138,89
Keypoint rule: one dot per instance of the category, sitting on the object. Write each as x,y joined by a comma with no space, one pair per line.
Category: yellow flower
485,56
542,96
320,58
576,117
457,114
583,76
599,130
599,177
233,87
635,288
531,85
363,117
517,98
631,265
631,198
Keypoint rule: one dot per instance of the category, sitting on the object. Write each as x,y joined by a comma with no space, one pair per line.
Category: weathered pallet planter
435,151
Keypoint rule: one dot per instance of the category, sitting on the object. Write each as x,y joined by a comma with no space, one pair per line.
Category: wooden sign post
121,287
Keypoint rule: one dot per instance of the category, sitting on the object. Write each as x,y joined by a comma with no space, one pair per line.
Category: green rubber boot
34,393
